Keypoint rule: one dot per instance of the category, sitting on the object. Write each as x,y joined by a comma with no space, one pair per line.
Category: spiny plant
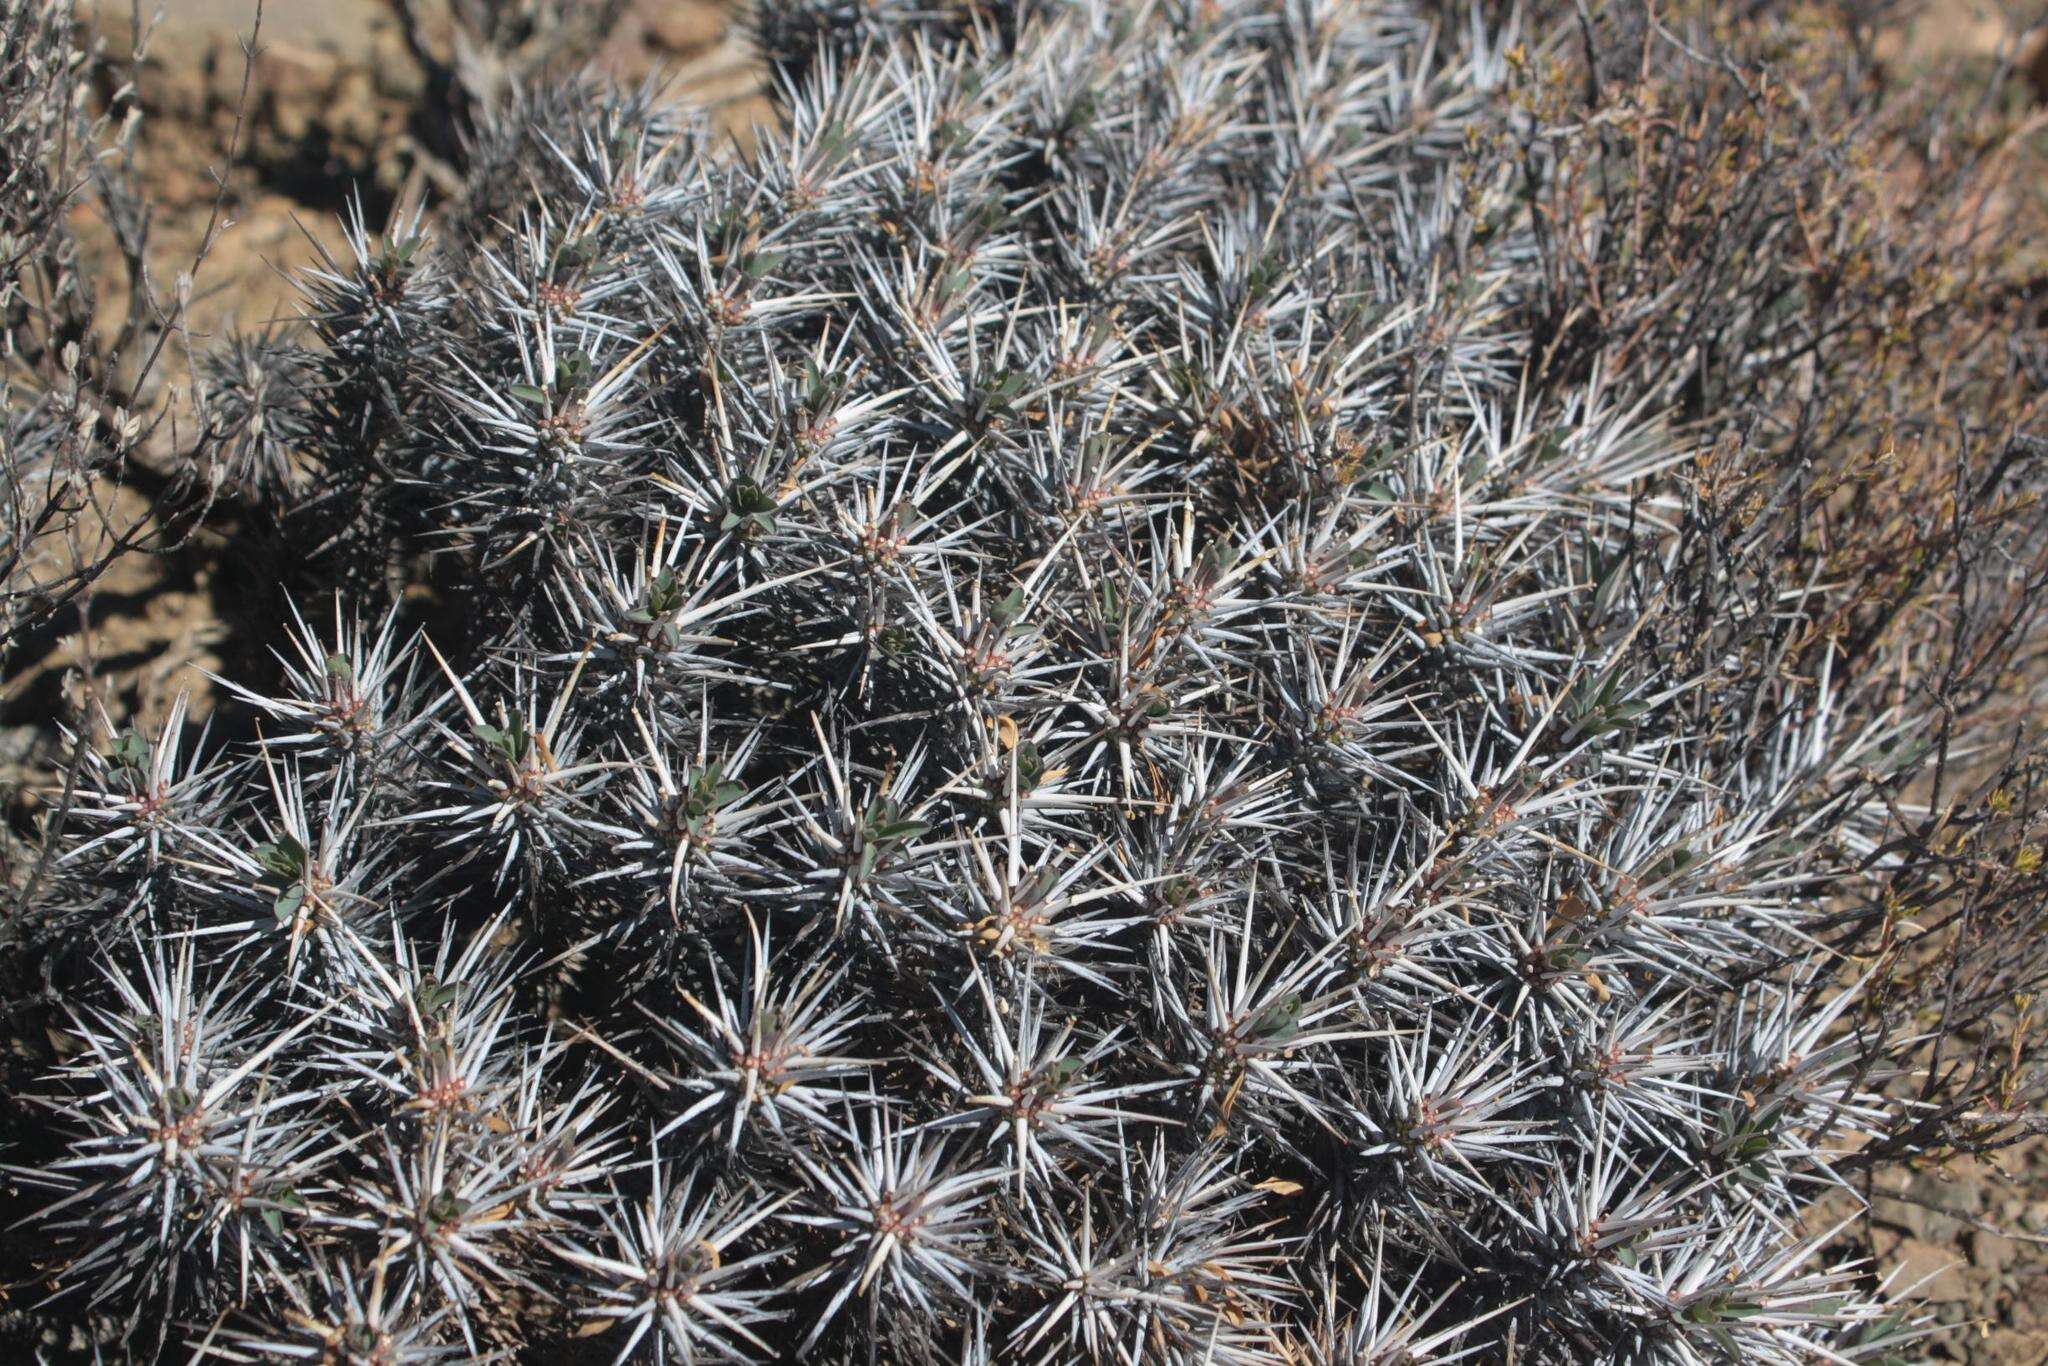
1177,683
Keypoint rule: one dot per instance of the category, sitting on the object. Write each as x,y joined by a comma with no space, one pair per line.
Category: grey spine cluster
1030,728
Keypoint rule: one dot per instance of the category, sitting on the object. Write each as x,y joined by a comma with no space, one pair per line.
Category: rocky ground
1973,1238
338,103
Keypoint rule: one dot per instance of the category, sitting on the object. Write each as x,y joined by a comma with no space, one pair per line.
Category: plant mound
1158,690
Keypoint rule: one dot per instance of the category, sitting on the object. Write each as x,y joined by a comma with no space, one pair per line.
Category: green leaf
509,742
1609,588
749,506
1280,1021
288,902
283,857
1030,765
1058,1073
832,139
821,390
664,595
278,1201
130,751
529,393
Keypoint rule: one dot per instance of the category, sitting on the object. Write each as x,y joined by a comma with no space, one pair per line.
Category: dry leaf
1599,987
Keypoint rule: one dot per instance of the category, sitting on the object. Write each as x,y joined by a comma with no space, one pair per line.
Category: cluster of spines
1041,738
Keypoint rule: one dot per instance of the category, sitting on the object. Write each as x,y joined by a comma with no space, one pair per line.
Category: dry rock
682,29
1935,1270
1992,1252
